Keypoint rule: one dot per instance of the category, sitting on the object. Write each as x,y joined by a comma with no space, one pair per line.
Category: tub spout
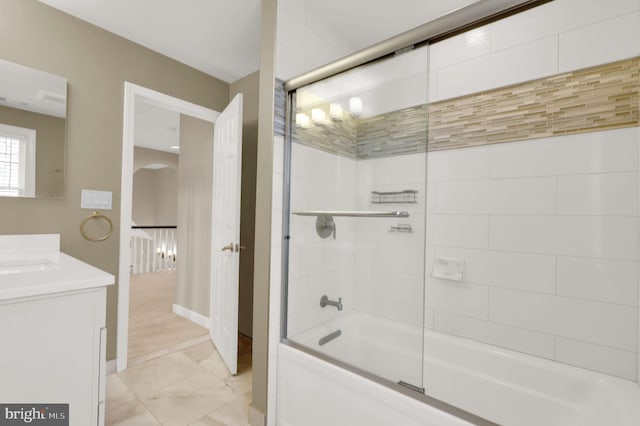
324,301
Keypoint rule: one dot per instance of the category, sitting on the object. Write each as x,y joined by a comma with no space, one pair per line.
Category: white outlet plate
96,200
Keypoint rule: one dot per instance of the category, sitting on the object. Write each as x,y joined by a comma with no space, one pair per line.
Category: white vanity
52,328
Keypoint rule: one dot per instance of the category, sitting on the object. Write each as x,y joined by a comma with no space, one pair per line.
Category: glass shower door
356,247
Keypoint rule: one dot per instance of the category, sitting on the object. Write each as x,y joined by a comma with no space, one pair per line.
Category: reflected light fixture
355,106
318,116
336,112
302,120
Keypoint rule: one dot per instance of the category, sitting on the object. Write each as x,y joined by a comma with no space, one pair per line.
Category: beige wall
96,64
264,184
195,190
143,206
166,197
50,136
248,86
155,197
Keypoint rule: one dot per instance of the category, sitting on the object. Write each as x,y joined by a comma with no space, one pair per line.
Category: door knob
238,247
228,247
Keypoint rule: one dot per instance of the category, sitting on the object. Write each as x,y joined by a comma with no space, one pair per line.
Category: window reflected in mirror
33,109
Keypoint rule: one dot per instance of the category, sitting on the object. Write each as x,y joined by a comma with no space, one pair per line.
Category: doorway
162,315
135,95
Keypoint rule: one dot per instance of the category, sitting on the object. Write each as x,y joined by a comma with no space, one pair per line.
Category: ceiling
155,127
218,37
222,37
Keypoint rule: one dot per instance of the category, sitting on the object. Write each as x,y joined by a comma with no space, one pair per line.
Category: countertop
65,274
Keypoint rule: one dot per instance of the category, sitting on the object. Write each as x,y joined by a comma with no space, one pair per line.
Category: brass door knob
228,247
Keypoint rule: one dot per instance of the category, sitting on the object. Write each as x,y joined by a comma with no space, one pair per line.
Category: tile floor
189,387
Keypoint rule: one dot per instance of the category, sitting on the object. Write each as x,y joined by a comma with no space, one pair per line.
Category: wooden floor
153,327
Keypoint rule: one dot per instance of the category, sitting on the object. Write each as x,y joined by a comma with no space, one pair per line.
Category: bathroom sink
22,266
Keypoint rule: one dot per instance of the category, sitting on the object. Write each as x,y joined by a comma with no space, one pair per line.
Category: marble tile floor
188,387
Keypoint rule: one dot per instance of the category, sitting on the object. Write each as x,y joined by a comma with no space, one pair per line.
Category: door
227,160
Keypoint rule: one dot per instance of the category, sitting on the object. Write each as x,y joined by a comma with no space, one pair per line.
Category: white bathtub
500,385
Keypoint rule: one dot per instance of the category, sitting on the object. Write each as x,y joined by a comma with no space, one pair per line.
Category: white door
227,160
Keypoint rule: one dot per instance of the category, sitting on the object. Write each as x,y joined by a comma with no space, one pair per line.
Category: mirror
33,110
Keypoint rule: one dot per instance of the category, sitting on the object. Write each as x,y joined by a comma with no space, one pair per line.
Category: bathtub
500,385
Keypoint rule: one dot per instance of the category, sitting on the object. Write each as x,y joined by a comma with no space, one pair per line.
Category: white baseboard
192,316
112,366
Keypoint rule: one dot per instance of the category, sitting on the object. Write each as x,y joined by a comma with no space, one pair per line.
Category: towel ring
96,215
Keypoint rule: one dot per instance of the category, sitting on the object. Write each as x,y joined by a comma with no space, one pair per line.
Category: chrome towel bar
349,213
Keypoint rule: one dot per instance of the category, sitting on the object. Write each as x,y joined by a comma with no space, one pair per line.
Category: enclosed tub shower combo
461,224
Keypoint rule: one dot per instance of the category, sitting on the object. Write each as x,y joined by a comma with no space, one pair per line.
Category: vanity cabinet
52,328
53,351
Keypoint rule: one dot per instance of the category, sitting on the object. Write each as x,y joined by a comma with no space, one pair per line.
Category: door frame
131,91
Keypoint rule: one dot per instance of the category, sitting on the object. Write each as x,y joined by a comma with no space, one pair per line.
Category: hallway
153,326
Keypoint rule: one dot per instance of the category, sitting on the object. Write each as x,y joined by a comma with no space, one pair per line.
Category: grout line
166,351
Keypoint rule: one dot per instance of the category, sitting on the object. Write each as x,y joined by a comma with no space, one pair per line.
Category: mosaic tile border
592,99
588,100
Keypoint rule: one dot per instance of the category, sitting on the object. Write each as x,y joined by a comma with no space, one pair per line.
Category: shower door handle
229,247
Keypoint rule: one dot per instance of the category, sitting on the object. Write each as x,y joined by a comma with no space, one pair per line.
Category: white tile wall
555,17
467,231
603,42
472,44
390,266
459,164
504,196
603,280
563,35
523,271
600,323
515,338
471,300
600,358
527,62
589,236
610,194
596,152
549,229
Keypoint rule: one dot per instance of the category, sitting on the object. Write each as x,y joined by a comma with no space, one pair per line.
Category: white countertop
60,272
68,274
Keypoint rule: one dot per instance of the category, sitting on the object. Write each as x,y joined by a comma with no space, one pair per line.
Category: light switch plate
96,200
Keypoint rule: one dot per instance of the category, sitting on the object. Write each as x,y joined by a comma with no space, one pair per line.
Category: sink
22,266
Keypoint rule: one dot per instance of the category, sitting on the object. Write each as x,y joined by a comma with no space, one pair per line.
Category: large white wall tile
600,323
457,297
521,63
463,47
458,164
596,152
553,18
535,196
599,358
407,169
518,339
598,194
458,231
599,43
610,281
596,236
531,272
